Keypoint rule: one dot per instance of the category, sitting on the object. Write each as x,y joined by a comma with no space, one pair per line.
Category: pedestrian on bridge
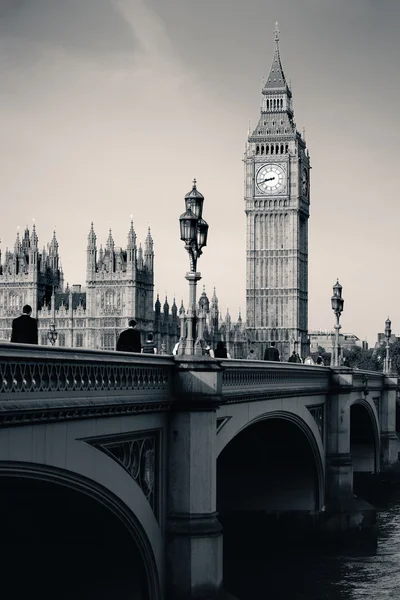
294,358
129,339
149,346
271,353
25,328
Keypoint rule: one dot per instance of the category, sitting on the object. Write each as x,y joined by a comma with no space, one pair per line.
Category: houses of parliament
120,281
119,286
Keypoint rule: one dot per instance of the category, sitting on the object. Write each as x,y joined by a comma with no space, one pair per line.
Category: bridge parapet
244,380
79,383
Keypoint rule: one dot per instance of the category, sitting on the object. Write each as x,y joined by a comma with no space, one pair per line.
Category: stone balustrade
245,380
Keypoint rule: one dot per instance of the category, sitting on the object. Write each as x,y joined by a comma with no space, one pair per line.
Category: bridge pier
389,441
344,513
194,546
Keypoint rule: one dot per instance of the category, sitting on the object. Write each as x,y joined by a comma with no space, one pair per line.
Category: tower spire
276,78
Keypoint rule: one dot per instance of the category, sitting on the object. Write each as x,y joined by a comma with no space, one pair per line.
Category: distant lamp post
194,232
52,333
337,307
388,333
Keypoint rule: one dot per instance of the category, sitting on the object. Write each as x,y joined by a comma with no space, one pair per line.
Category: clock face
304,182
270,179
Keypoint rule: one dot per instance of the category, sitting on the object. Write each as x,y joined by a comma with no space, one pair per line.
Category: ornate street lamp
194,232
337,307
52,333
388,333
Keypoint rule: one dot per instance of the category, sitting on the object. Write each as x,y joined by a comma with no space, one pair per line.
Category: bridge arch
364,436
273,463
62,515
58,453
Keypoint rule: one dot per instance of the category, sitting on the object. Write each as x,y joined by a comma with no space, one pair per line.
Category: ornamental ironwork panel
317,412
138,454
37,377
270,380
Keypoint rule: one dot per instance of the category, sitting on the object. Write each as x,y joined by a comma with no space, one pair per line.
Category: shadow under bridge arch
270,480
64,537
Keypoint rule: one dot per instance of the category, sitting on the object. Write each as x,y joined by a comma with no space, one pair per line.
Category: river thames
367,573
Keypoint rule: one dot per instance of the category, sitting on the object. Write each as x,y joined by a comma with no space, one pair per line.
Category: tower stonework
28,276
119,286
277,199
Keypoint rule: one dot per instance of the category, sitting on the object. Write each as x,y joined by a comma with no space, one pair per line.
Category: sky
110,108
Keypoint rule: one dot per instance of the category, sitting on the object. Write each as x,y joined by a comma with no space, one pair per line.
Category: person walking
149,346
25,328
129,339
271,353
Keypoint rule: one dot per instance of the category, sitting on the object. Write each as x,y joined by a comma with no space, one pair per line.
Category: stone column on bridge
343,511
194,543
387,418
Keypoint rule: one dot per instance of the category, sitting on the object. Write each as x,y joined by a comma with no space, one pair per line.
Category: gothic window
281,122
257,149
109,299
281,103
281,148
277,149
265,122
287,148
272,148
43,339
267,149
273,122
267,104
79,340
61,339
267,131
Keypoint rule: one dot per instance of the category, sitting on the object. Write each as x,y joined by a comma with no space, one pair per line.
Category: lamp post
194,232
388,333
52,333
337,307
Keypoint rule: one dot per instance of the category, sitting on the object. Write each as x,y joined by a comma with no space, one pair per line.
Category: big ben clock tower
277,199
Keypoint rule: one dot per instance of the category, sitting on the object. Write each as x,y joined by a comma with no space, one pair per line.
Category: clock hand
267,179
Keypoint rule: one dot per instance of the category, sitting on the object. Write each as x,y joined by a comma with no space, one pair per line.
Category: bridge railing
244,379
81,379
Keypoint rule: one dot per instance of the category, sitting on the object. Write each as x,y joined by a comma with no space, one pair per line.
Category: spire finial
277,32
194,183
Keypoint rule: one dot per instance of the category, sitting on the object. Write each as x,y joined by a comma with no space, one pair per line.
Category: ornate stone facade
119,286
277,198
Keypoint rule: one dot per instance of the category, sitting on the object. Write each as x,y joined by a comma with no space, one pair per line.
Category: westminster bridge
117,470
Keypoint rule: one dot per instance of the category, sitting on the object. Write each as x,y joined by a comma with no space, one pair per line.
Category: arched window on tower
257,149
267,149
277,149
281,148
272,148
287,148
262,149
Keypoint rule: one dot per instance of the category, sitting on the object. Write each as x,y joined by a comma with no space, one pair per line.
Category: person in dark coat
25,328
294,358
129,339
220,351
271,353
